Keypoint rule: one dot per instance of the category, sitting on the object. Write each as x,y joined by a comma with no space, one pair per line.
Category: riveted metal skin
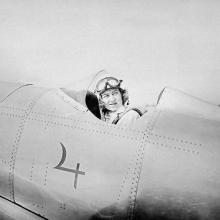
60,162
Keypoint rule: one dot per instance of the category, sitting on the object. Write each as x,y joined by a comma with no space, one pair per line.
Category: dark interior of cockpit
93,103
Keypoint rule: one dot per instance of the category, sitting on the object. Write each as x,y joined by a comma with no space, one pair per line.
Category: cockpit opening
106,97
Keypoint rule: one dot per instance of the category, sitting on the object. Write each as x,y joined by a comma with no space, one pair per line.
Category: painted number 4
76,171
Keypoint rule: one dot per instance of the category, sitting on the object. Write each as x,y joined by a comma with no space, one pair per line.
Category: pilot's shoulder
141,110
135,112
129,117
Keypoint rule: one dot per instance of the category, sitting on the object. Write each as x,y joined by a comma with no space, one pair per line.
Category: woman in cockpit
114,101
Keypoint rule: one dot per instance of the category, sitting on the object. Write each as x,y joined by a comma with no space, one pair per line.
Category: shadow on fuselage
154,208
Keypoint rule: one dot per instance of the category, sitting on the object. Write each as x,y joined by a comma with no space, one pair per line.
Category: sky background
151,43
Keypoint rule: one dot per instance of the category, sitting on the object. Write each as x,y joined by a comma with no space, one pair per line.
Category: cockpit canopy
84,91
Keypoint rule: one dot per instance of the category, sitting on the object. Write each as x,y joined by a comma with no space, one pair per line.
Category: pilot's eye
115,93
105,96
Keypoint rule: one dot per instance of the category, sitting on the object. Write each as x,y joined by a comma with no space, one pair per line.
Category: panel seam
16,144
138,168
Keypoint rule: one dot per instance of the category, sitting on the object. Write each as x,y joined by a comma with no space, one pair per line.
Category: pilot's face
112,99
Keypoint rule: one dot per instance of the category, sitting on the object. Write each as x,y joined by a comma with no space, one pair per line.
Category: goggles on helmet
107,83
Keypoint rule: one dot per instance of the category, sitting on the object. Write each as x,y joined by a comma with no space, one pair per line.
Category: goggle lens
110,81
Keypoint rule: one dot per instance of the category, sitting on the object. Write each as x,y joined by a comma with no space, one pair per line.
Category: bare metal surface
61,162
11,211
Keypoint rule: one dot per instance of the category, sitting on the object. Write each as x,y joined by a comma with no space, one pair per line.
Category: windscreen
84,91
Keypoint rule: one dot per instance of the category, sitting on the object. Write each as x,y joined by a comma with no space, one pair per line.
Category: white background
152,43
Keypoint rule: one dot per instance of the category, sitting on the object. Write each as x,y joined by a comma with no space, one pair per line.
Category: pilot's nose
111,98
